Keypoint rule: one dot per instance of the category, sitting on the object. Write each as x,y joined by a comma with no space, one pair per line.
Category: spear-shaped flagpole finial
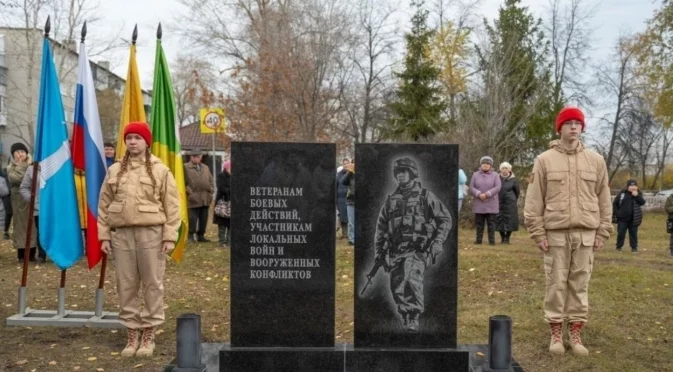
159,31
83,31
47,26
134,37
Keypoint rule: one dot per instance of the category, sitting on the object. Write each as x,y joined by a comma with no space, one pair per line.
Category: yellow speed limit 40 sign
212,120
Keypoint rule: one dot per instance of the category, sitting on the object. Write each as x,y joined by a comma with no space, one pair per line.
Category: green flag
166,145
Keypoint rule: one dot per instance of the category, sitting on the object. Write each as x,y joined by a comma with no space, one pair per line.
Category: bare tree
568,29
617,81
365,72
642,136
185,85
284,58
661,153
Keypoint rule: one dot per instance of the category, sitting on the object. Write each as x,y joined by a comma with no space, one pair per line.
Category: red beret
567,114
141,129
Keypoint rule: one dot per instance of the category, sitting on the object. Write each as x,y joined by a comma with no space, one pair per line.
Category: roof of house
191,138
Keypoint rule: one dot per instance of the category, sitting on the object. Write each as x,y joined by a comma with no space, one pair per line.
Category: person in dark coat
628,214
7,204
508,218
223,181
342,180
350,203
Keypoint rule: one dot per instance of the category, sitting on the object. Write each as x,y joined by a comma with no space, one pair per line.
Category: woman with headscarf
21,162
484,187
508,218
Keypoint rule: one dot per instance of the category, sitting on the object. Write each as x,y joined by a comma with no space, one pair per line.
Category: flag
166,144
58,199
133,109
89,152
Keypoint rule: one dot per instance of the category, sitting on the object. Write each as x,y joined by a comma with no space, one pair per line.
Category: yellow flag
133,109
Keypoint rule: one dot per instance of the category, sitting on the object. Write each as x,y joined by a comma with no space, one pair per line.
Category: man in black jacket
628,215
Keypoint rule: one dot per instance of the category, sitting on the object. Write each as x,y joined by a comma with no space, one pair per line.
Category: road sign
212,120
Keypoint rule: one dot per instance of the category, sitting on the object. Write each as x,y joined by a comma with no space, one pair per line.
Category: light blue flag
59,228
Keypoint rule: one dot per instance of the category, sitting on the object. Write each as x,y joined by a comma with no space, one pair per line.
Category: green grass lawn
630,326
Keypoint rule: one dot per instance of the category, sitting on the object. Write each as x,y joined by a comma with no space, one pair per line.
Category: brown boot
556,345
146,344
132,344
575,340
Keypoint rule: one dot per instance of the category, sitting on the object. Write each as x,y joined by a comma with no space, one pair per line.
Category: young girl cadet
138,220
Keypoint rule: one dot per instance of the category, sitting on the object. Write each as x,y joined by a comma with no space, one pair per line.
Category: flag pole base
70,318
23,292
99,302
61,302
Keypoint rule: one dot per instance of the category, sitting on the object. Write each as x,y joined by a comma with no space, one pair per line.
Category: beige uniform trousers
139,259
568,265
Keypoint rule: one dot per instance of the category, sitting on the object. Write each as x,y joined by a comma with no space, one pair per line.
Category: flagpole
61,295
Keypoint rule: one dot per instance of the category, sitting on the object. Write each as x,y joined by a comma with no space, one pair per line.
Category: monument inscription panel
282,253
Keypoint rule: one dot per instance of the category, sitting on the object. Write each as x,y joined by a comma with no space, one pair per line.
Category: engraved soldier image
410,232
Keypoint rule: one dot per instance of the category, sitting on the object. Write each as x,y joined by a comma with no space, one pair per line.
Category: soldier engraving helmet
405,163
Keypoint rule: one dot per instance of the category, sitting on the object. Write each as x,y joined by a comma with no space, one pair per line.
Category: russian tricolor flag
88,151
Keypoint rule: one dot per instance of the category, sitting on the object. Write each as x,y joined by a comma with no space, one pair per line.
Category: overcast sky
612,18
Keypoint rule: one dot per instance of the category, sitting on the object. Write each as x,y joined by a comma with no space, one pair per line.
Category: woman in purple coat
484,187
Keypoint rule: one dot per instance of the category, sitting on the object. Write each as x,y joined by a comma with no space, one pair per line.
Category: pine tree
418,108
517,62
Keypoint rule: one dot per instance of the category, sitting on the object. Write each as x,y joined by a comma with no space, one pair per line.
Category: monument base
69,318
406,359
282,359
213,356
479,360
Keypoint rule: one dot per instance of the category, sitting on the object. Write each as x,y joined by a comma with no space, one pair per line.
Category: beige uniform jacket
137,201
569,190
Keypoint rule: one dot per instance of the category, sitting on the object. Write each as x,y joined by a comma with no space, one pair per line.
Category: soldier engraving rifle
379,262
430,232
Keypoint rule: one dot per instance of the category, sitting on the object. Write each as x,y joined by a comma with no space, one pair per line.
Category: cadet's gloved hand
436,248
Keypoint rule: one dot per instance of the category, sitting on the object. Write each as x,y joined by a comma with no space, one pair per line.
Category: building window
2,104
3,76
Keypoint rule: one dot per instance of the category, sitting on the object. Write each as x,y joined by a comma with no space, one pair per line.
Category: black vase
500,342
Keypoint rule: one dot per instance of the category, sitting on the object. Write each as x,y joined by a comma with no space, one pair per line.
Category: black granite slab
282,359
479,359
210,356
407,360
283,239
432,291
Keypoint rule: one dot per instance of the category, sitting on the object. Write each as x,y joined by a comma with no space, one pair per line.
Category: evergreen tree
517,61
418,107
